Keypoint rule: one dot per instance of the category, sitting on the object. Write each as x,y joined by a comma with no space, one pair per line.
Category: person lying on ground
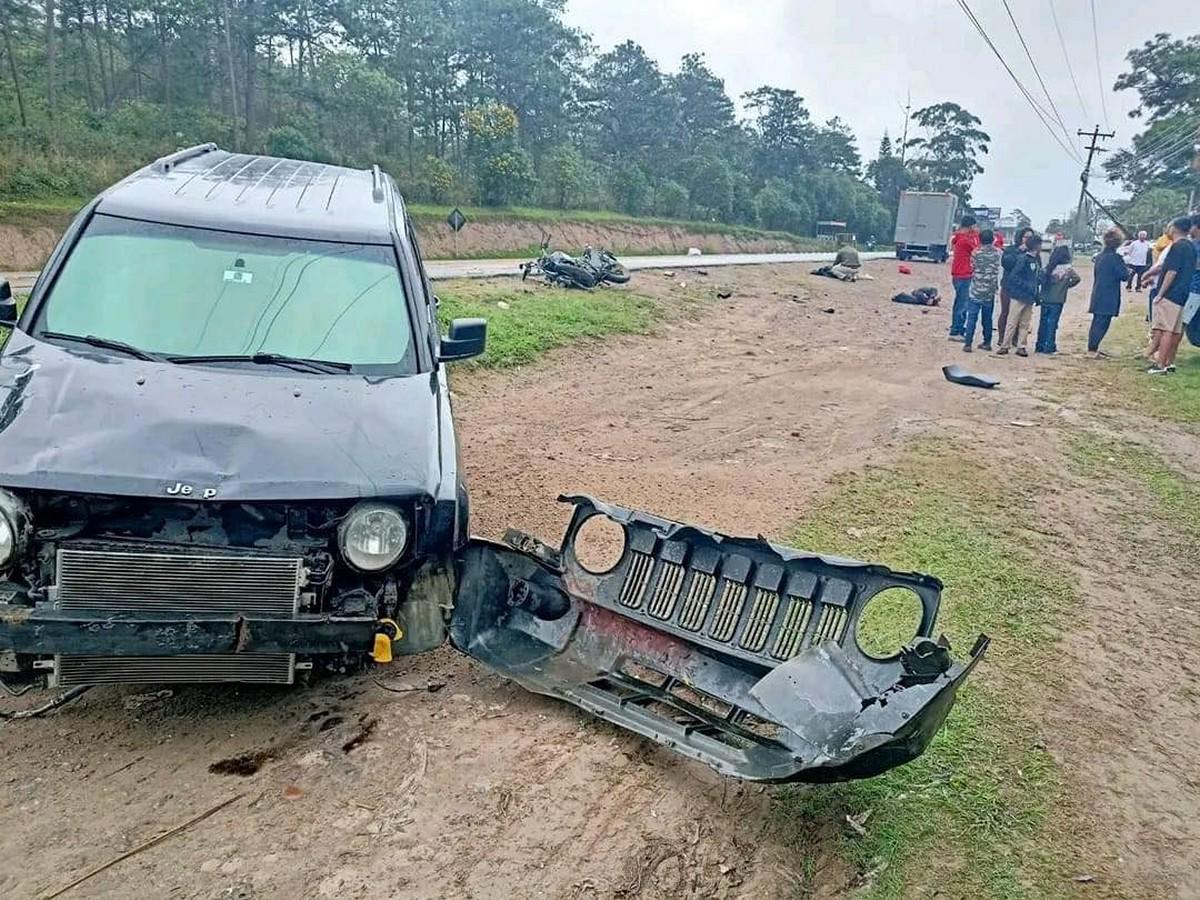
985,261
1024,285
1058,278
1108,274
1166,318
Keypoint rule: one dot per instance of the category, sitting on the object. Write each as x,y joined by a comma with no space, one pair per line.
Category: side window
431,297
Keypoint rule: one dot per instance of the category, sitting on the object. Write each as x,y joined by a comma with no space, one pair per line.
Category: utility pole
904,138
1095,134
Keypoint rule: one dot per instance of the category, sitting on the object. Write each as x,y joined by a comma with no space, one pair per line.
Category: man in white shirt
1138,259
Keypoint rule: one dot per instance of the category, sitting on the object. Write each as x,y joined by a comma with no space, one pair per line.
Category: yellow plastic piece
382,652
383,649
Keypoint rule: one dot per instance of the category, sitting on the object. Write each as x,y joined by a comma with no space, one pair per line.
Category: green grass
973,817
1175,397
52,213
1174,499
538,318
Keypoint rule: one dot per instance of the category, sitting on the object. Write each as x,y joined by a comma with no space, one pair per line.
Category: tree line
496,102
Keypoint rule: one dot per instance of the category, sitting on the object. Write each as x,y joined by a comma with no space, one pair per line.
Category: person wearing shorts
1166,318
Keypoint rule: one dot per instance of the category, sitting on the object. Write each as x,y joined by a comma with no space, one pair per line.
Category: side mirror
8,305
467,338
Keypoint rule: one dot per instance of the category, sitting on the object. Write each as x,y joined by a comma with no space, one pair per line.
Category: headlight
8,542
373,536
15,527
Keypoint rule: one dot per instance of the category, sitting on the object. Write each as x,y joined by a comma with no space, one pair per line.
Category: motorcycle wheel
576,275
618,274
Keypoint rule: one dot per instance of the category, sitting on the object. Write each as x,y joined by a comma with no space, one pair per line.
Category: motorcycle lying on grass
586,271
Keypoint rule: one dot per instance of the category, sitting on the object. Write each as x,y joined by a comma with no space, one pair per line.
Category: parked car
228,453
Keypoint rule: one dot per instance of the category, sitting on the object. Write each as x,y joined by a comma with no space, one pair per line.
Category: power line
1024,46
1067,59
1099,73
1041,113
1168,135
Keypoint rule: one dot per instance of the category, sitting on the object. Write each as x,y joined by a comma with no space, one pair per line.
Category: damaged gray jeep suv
227,453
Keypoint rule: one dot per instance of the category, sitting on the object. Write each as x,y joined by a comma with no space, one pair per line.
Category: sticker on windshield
239,276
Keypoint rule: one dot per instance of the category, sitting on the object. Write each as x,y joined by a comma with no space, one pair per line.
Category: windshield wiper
300,364
106,343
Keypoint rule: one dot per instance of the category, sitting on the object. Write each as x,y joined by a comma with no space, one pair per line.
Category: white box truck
924,223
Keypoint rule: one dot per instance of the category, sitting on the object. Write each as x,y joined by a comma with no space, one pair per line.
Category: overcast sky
858,60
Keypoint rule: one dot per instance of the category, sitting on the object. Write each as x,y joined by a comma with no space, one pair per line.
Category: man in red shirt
962,245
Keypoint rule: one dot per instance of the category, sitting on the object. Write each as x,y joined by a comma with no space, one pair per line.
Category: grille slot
725,619
255,668
762,615
118,581
791,632
670,578
635,581
695,605
831,626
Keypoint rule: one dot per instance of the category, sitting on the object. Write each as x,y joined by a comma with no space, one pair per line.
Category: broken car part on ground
214,473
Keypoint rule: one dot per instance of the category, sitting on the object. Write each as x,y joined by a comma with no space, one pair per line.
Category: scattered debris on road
959,375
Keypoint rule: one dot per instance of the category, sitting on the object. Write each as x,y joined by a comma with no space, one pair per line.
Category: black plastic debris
959,375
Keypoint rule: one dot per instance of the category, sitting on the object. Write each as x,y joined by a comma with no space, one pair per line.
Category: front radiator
123,581
116,582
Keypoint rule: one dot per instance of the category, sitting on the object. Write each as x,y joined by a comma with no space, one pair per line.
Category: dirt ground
736,419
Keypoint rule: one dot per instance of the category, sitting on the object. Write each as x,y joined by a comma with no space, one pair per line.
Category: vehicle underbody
732,651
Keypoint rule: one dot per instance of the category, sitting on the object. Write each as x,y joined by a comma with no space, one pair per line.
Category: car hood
110,425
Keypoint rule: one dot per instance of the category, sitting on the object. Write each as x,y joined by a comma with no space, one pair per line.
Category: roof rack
165,164
376,184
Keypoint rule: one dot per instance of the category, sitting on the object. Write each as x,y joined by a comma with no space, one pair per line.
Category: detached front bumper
731,651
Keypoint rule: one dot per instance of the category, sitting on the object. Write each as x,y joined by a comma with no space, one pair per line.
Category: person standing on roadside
962,245
1153,275
1193,301
1137,260
985,262
1009,259
1024,285
1108,274
1059,277
1174,284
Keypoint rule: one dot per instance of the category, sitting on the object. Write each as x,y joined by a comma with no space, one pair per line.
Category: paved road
490,268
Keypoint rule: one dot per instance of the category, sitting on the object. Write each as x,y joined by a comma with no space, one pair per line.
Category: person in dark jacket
1109,273
1008,259
1024,285
1058,278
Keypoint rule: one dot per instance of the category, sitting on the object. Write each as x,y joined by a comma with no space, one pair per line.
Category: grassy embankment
526,321
57,212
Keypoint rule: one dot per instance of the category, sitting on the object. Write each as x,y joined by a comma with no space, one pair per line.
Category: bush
437,180
564,171
671,199
631,189
284,140
778,210
506,178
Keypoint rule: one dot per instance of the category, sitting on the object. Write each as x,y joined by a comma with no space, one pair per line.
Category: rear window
196,292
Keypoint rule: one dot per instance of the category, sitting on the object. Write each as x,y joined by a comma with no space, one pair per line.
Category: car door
736,652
